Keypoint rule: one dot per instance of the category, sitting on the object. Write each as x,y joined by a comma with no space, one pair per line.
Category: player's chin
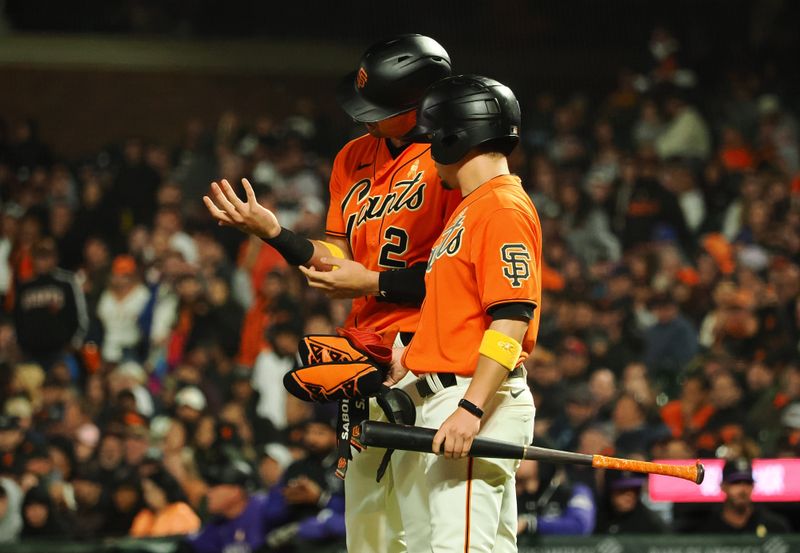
374,130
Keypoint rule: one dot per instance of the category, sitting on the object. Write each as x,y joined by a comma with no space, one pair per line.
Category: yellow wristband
501,348
335,250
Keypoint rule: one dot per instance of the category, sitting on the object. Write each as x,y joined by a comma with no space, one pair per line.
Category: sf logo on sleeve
516,261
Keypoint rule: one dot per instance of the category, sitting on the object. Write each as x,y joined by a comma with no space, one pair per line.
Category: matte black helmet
392,77
462,112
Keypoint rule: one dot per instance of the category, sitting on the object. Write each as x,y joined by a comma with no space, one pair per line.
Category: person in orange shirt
480,317
687,416
387,208
166,514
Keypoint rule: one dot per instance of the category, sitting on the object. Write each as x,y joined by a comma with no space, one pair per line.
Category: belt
447,380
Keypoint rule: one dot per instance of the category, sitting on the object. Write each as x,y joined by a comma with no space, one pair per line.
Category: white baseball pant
472,502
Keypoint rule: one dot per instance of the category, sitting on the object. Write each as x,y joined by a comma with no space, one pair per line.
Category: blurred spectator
166,512
547,504
10,510
89,519
603,386
777,135
670,343
649,126
579,412
624,512
50,310
630,421
119,309
738,514
686,134
641,206
237,517
11,437
689,414
134,190
41,520
273,461
270,366
125,503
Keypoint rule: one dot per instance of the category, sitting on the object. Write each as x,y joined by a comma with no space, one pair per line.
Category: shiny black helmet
461,112
392,77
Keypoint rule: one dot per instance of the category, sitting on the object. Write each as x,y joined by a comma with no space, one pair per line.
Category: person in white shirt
120,306
268,371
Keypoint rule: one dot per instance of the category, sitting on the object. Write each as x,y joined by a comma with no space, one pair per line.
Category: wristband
471,408
501,348
403,285
335,250
295,249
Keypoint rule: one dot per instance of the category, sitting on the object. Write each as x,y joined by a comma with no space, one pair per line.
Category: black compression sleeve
512,310
403,285
295,249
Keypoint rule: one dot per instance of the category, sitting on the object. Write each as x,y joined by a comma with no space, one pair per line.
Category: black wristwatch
471,408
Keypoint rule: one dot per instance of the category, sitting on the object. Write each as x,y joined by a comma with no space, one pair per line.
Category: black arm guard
295,249
403,285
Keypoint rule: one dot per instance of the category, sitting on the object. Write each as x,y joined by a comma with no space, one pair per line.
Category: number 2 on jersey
396,245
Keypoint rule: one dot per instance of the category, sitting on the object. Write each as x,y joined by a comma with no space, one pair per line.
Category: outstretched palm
250,216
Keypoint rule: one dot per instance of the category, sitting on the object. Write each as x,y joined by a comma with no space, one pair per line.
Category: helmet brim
359,108
419,134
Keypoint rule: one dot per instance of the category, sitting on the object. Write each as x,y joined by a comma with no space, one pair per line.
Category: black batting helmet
462,112
392,77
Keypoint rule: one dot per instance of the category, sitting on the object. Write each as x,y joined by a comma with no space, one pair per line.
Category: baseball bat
415,438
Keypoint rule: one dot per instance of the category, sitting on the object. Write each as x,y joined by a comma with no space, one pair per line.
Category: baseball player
387,208
480,316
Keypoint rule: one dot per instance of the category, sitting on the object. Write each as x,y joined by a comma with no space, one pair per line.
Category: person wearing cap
387,207
119,308
238,518
49,309
274,459
624,512
738,514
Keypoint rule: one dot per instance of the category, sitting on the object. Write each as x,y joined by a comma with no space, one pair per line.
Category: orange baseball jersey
391,210
489,254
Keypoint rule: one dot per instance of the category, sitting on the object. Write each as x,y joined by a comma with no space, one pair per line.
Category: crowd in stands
143,346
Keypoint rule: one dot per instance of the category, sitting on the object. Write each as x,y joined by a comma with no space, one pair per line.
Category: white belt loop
433,381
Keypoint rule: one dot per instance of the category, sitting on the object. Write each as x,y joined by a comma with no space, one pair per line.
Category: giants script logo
450,241
361,78
517,267
406,194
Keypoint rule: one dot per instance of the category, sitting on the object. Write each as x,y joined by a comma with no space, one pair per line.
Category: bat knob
701,473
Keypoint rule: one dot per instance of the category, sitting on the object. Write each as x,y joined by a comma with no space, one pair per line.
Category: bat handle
694,473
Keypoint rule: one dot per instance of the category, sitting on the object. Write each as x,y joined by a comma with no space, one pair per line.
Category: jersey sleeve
505,254
335,224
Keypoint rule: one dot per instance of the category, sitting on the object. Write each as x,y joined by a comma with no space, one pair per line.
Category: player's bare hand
350,280
396,369
250,216
456,434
